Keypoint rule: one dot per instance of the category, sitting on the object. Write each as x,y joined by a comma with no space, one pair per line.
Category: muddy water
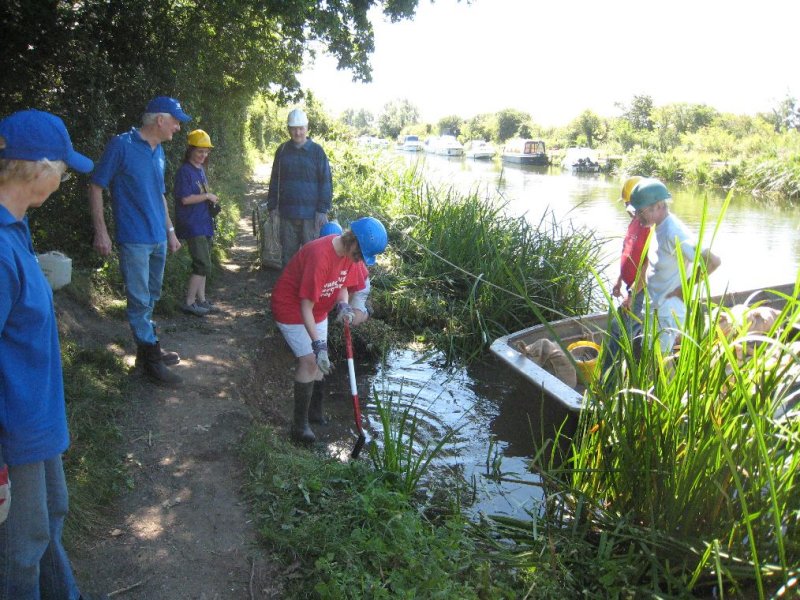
495,415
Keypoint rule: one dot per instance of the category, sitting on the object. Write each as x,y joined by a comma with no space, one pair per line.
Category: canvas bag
271,231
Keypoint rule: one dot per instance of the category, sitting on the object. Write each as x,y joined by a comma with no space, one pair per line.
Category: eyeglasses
66,176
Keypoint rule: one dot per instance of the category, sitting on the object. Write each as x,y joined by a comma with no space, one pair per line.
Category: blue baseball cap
165,104
36,135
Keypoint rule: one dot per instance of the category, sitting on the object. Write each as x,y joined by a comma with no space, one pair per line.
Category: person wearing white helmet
195,209
300,187
664,286
316,280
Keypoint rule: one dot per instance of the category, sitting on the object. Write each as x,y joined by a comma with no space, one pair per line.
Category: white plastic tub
56,267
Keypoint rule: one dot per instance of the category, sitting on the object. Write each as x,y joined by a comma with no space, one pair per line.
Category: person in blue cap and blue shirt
132,168
35,153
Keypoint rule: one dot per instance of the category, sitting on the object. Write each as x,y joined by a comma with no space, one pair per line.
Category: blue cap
36,135
165,104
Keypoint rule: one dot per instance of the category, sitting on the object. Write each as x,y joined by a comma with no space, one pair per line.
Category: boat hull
592,328
525,159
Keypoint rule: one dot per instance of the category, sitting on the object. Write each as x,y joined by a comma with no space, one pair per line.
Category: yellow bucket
585,354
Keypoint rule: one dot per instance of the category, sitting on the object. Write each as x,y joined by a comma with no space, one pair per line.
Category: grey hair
150,118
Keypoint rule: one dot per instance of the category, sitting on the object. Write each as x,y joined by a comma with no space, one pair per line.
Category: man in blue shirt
132,168
300,187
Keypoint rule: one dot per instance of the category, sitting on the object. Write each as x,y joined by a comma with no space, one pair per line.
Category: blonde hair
26,170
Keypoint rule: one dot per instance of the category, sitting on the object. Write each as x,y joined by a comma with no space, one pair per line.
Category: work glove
5,493
320,348
345,313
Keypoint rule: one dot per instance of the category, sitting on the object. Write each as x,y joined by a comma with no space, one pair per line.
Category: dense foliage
97,63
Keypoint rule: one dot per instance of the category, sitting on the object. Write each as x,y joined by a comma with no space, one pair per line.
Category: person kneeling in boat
649,198
315,280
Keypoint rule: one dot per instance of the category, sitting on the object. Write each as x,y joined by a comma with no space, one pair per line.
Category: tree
785,115
509,121
480,127
450,125
588,127
96,63
361,121
638,113
396,115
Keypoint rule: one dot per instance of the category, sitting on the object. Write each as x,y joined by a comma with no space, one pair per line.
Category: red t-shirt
315,273
632,249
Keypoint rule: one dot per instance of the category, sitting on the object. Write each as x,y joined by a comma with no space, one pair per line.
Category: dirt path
183,531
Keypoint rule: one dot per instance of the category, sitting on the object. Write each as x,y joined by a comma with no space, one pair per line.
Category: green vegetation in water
460,272
683,480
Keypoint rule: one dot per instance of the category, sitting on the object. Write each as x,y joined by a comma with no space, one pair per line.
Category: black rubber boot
315,414
154,368
301,432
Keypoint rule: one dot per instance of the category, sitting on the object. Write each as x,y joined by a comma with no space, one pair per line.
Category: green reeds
462,271
684,470
398,456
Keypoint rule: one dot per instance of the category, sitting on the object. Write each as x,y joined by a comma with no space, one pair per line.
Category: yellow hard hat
200,139
628,186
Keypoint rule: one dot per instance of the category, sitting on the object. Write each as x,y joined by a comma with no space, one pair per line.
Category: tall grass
685,478
460,270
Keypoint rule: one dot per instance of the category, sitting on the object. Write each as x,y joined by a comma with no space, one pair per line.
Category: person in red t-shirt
315,280
633,270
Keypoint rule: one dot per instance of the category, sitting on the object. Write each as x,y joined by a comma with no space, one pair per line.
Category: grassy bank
459,271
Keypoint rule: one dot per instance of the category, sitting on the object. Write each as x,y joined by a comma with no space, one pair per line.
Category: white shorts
298,339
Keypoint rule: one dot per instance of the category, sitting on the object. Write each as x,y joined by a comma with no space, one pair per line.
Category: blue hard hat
330,228
371,236
648,191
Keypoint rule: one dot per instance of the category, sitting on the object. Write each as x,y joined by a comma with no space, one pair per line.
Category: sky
556,58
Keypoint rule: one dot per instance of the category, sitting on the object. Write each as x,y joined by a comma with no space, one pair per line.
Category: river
490,409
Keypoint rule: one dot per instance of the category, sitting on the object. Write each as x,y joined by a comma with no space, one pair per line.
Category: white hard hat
297,118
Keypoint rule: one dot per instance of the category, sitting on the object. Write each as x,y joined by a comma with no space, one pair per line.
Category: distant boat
429,145
409,143
526,152
479,149
581,160
448,145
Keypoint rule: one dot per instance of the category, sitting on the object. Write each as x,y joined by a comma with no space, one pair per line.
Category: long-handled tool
362,439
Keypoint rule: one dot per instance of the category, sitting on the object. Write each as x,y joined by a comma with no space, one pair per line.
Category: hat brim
369,260
181,116
79,162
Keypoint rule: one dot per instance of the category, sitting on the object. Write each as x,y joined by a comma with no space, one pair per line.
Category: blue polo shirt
191,220
134,172
33,421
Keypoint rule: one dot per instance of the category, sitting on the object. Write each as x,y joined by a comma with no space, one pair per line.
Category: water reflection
498,417
759,243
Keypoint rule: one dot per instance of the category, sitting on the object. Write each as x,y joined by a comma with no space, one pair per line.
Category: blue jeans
33,562
142,267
